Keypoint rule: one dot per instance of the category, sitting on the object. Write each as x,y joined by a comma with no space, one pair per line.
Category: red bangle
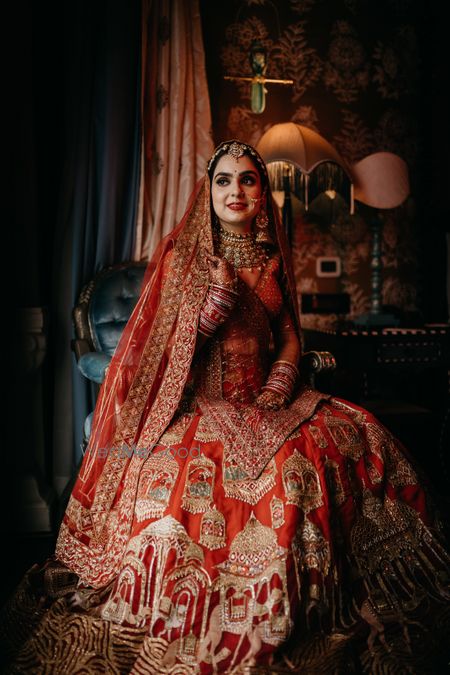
282,377
218,305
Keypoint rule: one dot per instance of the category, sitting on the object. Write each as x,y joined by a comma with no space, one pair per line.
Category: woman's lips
237,206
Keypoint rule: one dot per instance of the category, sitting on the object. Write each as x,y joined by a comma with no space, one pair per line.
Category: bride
253,524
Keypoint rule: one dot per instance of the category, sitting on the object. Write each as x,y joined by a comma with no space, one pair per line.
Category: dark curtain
72,159
101,186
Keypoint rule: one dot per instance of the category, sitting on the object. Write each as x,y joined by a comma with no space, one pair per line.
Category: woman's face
236,191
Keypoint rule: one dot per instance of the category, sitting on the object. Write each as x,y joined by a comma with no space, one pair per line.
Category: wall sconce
258,63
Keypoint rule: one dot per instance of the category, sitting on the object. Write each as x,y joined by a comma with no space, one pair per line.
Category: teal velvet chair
104,307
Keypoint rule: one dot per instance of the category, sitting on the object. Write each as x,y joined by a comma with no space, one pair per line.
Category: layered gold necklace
241,250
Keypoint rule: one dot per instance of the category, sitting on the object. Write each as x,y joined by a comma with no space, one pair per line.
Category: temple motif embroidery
252,582
155,485
311,549
213,529
384,530
199,486
238,485
150,590
301,483
346,437
318,436
398,471
175,605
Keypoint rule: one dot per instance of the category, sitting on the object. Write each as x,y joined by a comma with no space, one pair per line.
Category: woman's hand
220,270
270,400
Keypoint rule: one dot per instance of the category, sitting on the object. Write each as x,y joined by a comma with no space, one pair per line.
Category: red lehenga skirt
331,561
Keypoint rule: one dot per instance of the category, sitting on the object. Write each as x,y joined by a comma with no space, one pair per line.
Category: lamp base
372,319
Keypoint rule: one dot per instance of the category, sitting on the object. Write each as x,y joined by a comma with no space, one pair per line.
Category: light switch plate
328,266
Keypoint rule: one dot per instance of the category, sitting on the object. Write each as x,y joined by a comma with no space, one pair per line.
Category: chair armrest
313,362
93,365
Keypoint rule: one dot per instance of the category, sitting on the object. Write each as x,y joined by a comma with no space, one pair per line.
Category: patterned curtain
176,117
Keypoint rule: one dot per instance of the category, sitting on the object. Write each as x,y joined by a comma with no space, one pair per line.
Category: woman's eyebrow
242,173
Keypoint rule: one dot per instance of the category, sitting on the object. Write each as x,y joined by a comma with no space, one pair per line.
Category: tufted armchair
104,307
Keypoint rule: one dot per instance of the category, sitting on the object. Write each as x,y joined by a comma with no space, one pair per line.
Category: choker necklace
241,250
228,234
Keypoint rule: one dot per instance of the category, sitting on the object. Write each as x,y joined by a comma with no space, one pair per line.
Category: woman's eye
222,181
248,180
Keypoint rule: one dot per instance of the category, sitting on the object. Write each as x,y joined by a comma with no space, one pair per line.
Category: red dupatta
142,389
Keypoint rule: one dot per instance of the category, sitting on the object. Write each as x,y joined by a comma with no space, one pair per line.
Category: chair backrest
106,303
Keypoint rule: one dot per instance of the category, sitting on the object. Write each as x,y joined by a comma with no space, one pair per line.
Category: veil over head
145,381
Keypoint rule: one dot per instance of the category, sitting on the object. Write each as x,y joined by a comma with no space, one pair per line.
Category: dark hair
238,149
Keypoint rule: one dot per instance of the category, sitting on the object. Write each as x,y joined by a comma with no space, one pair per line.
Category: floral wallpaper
356,67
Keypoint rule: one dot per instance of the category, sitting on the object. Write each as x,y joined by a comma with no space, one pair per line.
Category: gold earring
262,226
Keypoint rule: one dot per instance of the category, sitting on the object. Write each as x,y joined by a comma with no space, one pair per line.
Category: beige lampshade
381,180
295,143
310,162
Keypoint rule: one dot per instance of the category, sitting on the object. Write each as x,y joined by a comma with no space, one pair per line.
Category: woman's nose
236,188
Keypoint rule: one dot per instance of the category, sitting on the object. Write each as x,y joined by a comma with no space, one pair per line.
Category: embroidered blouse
227,375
